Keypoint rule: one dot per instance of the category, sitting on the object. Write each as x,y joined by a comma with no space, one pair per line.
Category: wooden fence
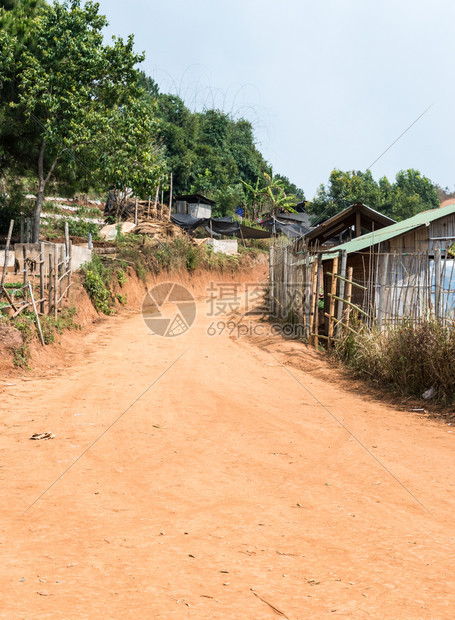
323,291
41,282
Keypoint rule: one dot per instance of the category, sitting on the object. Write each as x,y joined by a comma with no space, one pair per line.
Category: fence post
382,291
24,258
21,236
437,283
69,267
50,279
284,298
8,241
55,280
170,197
333,292
343,260
271,281
314,300
41,278
348,295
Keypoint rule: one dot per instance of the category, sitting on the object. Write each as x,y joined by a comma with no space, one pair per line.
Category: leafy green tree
409,194
343,189
76,90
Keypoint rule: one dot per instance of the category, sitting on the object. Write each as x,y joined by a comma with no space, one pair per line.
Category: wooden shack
346,225
397,265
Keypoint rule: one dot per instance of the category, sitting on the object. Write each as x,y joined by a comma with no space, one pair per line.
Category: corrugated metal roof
395,230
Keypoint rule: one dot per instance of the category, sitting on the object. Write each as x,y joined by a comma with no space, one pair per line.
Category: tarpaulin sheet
290,229
219,226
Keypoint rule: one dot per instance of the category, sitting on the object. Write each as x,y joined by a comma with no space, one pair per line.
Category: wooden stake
382,291
343,259
69,267
170,198
271,281
24,257
41,278
156,201
38,324
8,241
50,280
437,284
135,214
55,281
333,290
348,295
314,305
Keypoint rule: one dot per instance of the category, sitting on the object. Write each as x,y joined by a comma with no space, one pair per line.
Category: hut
346,225
194,204
406,269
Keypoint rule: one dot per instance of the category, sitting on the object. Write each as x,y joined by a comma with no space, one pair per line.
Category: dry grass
409,358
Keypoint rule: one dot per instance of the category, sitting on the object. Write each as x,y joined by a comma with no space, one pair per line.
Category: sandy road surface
225,491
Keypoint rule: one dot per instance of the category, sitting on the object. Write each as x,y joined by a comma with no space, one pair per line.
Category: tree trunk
42,182
37,213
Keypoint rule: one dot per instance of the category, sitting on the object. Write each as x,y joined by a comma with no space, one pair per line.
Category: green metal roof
400,228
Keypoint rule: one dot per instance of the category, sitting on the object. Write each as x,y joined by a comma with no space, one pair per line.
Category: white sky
326,83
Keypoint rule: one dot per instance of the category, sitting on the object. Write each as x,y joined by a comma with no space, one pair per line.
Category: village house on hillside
194,204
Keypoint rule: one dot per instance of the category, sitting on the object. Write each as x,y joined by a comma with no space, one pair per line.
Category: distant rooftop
196,199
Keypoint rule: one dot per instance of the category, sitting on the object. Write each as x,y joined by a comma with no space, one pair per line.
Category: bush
410,358
78,228
97,281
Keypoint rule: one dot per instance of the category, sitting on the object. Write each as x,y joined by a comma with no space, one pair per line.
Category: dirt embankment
60,352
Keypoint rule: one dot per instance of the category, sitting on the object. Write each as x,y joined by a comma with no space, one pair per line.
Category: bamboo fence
45,280
387,288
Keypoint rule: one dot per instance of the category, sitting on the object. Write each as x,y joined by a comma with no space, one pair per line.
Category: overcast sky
326,84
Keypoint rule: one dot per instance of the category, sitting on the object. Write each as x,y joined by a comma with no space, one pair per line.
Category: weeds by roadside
25,323
410,358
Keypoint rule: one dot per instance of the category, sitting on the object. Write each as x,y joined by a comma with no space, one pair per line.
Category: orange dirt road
225,490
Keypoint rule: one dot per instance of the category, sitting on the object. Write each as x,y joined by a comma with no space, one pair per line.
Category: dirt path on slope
231,485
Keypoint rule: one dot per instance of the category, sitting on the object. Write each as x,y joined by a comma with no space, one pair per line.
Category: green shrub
121,277
76,228
97,281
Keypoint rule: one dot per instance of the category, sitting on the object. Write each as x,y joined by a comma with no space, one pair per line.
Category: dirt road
225,490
